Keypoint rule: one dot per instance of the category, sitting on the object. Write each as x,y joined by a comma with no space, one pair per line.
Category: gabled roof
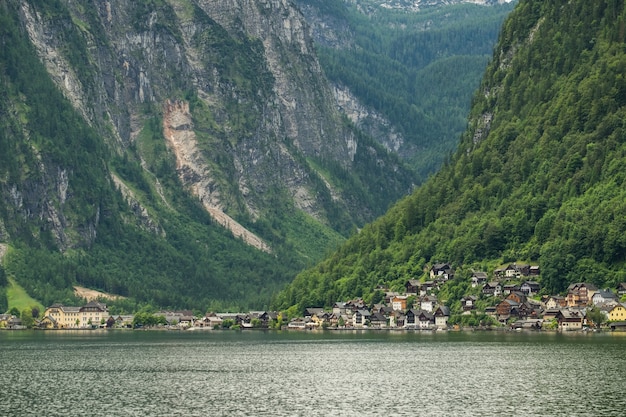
440,266
606,294
442,311
578,285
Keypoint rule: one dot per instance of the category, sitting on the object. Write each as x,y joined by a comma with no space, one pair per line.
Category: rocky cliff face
245,108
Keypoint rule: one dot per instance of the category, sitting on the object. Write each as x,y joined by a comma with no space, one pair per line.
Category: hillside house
441,271
530,287
621,289
556,302
398,302
478,278
340,308
507,309
492,288
509,288
427,287
579,294
412,286
468,303
428,303
605,296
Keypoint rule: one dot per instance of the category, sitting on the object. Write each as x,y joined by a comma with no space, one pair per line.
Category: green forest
64,222
192,263
419,70
538,175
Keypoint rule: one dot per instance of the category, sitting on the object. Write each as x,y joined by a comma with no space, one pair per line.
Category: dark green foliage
185,261
417,69
546,184
4,304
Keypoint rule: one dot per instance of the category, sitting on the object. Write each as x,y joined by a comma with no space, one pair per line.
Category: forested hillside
418,70
538,176
192,153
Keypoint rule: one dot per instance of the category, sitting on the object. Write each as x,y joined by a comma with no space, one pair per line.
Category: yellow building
68,317
617,313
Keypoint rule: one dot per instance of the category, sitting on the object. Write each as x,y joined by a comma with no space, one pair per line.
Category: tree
596,316
27,318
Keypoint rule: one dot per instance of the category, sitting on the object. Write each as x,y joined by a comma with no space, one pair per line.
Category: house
4,320
621,289
378,320
469,302
530,287
492,288
440,269
354,305
442,314
507,309
570,319
428,303
478,278
550,314
397,319
340,308
312,311
398,302
534,270
509,288
361,318
319,319
511,271
603,297
617,313
94,313
618,326
556,302
517,296
72,317
297,324
124,321
47,322
411,318
579,294
427,288
425,320
412,286
528,324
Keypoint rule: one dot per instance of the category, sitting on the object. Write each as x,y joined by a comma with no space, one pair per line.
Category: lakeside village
509,301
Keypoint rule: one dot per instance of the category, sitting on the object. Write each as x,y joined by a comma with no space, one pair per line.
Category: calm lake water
311,374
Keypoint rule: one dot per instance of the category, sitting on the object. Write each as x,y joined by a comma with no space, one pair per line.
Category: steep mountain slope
538,176
131,130
405,72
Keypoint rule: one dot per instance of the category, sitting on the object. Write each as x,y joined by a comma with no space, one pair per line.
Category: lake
255,373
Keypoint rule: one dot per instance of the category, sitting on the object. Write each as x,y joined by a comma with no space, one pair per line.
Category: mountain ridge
537,177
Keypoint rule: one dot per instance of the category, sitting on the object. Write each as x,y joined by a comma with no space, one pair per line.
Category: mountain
538,175
405,72
138,137
193,153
